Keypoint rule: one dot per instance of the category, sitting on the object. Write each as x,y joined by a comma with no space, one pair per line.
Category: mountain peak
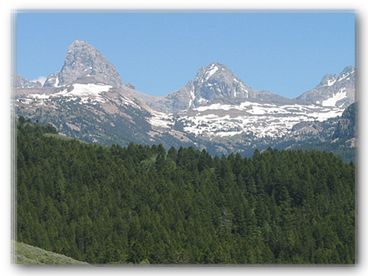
217,82
78,46
213,83
78,42
334,89
212,70
85,64
331,79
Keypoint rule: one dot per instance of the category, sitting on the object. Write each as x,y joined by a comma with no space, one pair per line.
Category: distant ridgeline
137,204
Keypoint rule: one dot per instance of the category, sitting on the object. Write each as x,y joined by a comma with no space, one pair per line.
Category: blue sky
284,52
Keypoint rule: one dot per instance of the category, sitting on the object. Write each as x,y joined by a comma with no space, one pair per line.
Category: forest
145,204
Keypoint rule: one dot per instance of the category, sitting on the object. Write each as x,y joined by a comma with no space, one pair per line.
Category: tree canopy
145,204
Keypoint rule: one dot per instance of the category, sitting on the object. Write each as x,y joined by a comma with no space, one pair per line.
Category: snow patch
335,98
212,70
40,79
346,75
330,82
57,82
161,120
250,118
192,97
82,90
87,93
129,102
202,100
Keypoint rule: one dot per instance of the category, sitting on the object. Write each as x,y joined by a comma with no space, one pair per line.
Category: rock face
84,64
334,90
215,82
346,126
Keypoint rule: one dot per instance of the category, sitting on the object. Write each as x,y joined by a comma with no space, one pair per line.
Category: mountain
87,100
218,105
216,110
84,64
214,83
334,90
20,82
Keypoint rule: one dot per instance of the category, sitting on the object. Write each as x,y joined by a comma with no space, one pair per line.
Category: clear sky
284,52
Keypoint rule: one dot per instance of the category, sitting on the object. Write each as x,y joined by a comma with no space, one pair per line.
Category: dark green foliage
141,204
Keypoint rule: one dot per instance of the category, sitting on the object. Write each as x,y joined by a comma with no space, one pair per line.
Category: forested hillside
144,204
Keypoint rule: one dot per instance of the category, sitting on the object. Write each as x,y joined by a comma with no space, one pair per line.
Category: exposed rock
84,64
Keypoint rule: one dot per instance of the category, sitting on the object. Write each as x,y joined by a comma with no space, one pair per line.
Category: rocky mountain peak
216,82
213,71
330,79
333,90
85,64
216,72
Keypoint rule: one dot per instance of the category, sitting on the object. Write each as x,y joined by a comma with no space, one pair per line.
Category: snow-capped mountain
214,83
216,103
334,90
84,64
216,110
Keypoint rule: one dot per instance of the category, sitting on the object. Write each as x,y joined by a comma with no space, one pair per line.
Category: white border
6,9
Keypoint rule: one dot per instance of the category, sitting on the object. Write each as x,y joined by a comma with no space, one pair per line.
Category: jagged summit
213,70
332,90
214,82
330,79
84,64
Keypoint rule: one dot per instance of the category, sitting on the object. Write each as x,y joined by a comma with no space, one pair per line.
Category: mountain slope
30,255
337,135
98,113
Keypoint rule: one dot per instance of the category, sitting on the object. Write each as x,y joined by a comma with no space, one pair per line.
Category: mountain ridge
213,110
79,70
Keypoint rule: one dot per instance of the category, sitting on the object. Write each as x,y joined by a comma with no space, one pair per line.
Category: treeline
144,204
